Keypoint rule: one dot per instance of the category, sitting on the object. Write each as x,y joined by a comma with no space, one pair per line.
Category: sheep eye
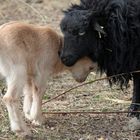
75,32
64,28
69,30
81,34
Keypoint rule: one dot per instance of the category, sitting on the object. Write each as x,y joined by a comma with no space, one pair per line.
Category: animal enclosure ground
97,96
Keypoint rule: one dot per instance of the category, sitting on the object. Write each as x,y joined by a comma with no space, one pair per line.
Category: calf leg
135,106
27,104
11,100
36,112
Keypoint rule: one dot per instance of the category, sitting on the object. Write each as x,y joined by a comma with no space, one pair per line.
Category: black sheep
108,32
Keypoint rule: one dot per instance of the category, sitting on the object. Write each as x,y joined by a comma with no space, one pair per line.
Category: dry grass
98,96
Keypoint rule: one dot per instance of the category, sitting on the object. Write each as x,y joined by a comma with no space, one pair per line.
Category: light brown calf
28,58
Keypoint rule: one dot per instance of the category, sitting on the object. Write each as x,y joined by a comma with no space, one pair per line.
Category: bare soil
96,97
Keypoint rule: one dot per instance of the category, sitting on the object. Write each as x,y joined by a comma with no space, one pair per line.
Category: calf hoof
28,117
24,134
39,121
132,111
21,131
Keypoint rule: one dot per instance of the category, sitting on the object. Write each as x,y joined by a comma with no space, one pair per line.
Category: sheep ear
87,14
99,28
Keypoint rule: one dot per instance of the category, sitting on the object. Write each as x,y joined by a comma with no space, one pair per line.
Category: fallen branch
90,82
89,112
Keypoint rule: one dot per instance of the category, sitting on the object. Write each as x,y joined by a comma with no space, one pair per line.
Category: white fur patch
133,124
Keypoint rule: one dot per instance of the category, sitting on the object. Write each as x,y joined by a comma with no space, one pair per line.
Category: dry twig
89,112
90,82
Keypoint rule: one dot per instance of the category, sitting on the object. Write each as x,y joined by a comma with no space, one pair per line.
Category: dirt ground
96,97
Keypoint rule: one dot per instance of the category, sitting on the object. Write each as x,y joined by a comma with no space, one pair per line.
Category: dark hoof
132,111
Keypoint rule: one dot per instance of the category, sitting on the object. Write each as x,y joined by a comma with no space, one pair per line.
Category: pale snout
82,68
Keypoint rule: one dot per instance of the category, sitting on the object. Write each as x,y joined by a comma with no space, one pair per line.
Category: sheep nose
68,59
65,59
